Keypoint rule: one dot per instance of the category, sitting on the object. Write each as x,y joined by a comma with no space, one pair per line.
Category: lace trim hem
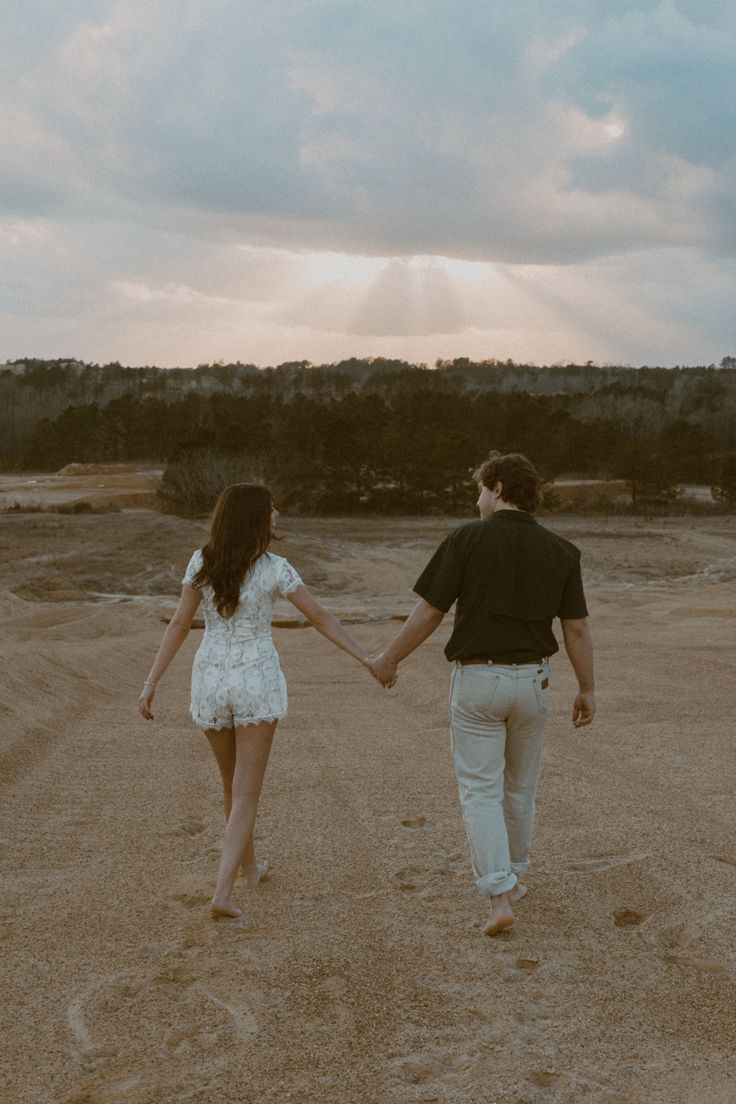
219,725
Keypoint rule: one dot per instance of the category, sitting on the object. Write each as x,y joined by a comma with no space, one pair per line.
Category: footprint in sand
194,941
337,990
189,828
527,964
407,879
414,822
596,864
425,1069
680,935
417,1069
704,965
629,918
114,1092
190,900
451,862
261,933
544,1078
421,880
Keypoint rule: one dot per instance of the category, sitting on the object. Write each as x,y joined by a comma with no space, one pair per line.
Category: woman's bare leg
252,749
222,742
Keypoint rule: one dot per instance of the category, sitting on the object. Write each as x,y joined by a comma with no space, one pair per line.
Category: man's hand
421,623
382,669
583,709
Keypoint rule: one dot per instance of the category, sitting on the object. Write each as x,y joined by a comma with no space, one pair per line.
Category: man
510,577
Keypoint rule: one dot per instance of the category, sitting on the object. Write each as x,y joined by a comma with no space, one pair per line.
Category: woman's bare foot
224,907
257,874
501,916
517,892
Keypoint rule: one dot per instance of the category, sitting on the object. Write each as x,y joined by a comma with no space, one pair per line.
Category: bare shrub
725,491
190,484
19,507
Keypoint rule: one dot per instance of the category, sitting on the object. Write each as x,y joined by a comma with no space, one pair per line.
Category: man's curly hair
521,482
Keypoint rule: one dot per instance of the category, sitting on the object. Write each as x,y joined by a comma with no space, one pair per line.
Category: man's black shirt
510,577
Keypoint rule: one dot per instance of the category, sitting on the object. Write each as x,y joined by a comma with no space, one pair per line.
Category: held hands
145,700
583,709
383,670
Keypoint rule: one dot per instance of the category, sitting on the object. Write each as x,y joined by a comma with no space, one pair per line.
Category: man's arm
421,623
579,648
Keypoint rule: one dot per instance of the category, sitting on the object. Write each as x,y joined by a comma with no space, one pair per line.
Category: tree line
374,434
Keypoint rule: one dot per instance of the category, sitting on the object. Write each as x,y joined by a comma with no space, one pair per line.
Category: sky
549,180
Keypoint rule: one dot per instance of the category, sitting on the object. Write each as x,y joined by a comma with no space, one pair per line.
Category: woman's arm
176,633
324,622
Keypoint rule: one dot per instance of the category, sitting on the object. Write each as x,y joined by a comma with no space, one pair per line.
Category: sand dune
358,973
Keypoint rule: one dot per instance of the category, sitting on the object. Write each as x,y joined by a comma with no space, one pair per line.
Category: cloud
386,174
540,133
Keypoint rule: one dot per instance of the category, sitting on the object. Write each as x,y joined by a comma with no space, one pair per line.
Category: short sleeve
287,578
441,581
572,603
193,567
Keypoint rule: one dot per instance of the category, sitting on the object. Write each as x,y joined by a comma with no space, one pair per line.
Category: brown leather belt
501,662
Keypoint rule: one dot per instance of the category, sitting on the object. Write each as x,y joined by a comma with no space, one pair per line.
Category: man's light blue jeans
497,719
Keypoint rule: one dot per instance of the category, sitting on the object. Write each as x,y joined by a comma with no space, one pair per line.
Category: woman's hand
382,670
145,700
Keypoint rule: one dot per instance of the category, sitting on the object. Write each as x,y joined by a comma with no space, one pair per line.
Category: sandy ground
102,486
358,972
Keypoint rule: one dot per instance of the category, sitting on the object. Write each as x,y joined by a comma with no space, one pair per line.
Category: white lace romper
236,675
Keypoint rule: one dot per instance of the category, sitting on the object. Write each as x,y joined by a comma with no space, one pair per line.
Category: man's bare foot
517,892
501,915
259,874
223,906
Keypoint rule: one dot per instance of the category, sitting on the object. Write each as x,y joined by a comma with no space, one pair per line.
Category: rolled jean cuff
520,869
493,885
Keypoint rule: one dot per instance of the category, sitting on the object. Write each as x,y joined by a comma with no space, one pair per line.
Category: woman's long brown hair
240,531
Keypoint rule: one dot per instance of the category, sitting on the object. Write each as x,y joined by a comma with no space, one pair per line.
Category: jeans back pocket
541,690
475,691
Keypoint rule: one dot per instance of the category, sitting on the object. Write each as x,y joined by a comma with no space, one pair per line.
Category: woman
238,690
